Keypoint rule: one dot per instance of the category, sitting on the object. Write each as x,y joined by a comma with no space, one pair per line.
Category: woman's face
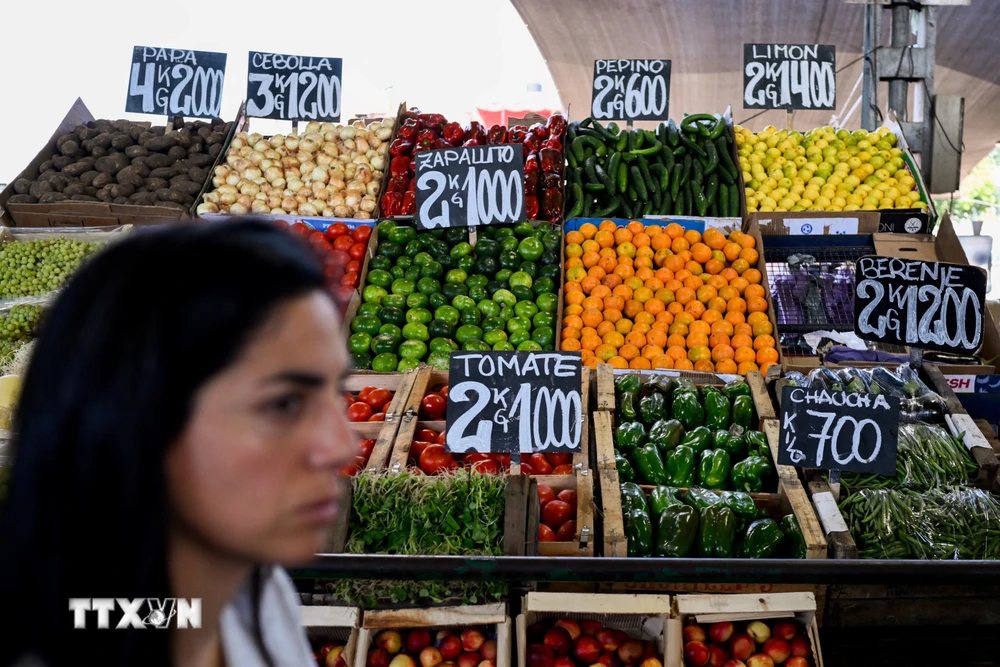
255,472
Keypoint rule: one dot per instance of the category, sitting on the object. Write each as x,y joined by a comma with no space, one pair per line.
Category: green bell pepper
627,383
763,539
713,469
662,497
666,434
796,543
687,410
717,533
662,383
624,467
676,531
652,408
638,526
649,464
633,497
752,474
742,412
707,389
736,388
757,444
685,384
730,441
699,498
742,506
699,439
681,467
629,436
716,411
627,407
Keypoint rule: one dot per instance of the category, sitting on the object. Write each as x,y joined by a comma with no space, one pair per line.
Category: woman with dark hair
179,435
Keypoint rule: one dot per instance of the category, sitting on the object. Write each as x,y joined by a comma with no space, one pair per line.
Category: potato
184,137
121,141
63,138
39,188
120,200
163,172
70,148
214,150
98,152
143,198
154,183
87,177
200,159
177,152
180,178
205,131
79,167
140,161
119,190
187,187
83,198
170,204
158,160
103,140
22,199
195,147
164,194
52,198
74,188
102,179
161,144
112,164
131,176
215,138
199,174
45,166
60,162
136,151
83,133
22,186
104,194
135,131
58,182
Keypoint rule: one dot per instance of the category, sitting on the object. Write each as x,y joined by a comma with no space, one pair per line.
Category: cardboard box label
818,226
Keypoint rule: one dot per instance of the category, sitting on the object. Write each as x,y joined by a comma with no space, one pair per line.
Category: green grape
32,268
17,327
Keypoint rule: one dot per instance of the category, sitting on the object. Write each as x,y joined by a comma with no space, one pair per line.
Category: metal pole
900,39
869,89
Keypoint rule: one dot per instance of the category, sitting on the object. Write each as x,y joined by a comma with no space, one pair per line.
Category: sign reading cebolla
293,87
789,76
631,90
468,186
930,305
176,82
510,402
837,430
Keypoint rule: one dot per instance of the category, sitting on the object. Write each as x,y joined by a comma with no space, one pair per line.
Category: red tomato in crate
362,233
486,467
545,493
365,391
359,412
434,460
430,435
377,417
502,459
559,459
350,281
442,438
556,513
566,532
357,251
443,392
336,230
563,470
333,274
343,243
367,446
343,293
319,239
378,398
568,496
337,258
348,399
540,464
302,229
417,448
473,457
353,266
545,534
433,407
526,469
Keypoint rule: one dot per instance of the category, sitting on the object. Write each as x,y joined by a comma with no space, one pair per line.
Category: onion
383,150
388,122
245,201
291,142
319,174
341,211
272,154
207,207
277,140
308,145
348,132
233,178
352,200
301,199
307,168
273,173
384,134
227,198
368,203
349,144
289,162
245,151
265,164
250,188
362,145
294,184
377,162
321,193
304,191
262,145
313,126
212,197
256,157
373,188
363,215
238,209
337,172
336,200
308,209
260,196
278,211
278,183
252,173
330,148
327,212
238,142
323,159
240,163
361,161
274,202
217,181
289,204
259,208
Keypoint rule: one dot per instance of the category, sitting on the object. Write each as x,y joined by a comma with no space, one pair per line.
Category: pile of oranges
662,297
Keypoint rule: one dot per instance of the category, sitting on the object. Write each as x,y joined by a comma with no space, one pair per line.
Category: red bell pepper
409,130
539,131
533,143
477,132
409,206
453,134
427,136
412,187
390,204
441,143
471,142
517,134
531,207
556,125
530,181
552,180
400,147
553,142
398,183
497,135
531,163
552,203
551,160
431,120
399,166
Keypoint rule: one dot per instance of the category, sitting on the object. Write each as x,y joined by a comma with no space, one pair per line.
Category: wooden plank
387,434
484,614
761,398
795,496
531,524
329,616
839,542
338,532
516,515
615,543
772,429
605,387
868,606
583,544
604,440
408,420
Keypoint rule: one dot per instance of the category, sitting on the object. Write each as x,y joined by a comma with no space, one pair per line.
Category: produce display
942,523
333,171
543,159
369,405
557,514
646,296
763,643
670,432
469,647
121,162
330,654
825,170
686,170
17,327
342,251
428,293
428,456
917,403
32,268
571,643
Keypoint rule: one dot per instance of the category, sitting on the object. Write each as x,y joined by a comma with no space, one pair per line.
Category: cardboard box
77,213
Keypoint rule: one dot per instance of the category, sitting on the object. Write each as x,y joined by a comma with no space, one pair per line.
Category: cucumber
651,185
578,198
723,198
622,178
613,163
697,172
734,201
673,136
639,182
603,178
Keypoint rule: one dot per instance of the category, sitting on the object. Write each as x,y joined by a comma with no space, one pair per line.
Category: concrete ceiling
704,39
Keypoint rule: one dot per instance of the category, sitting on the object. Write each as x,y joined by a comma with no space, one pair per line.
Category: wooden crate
325,624
384,432
491,618
643,617
583,542
712,608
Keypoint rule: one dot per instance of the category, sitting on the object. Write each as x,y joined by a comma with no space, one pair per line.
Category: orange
665,317
596,272
613,338
719,255
750,255
694,282
763,341
696,340
623,291
730,250
588,229
726,366
717,339
636,339
589,331
717,304
646,318
753,291
592,317
685,318
605,327
643,294
572,322
754,318
752,275
570,333
746,241
609,253
643,251
573,309
608,225
605,352
679,328
714,239
575,297
729,292
651,351
576,274
605,238
613,302
728,273
617,362
714,266
612,315
592,302
626,250
628,352
699,352
757,304
590,245
656,337
574,250
622,235
586,354
718,282
608,264
735,235
654,306
711,316
693,236
694,267
643,263
653,283
700,327
611,281
677,352
570,345
673,285
746,367
674,308
575,237
723,351
591,362
723,326
659,241
683,365
676,340
766,355
641,329
764,367
623,326
624,270
641,240
674,263
632,308
663,361
590,342
635,227
684,295
740,340
701,253
589,283
740,283
704,366
762,328
707,292
744,354
653,229
674,230
574,262
640,363
735,318
632,283
643,273
736,305
679,245
740,266
743,328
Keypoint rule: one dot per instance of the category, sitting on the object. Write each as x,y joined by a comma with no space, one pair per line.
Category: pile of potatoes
121,162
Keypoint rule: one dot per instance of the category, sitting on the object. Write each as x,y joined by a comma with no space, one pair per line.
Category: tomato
433,407
366,448
343,294
545,534
486,467
503,460
377,417
363,394
526,469
350,470
473,457
348,398
443,392
568,496
353,266
337,258
350,281
417,448
302,229
281,224
563,470
428,434
357,251
545,493
318,238
336,230
559,459
378,398
540,464
566,532
359,411
343,243
333,273
362,233
442,438
556,512
435,460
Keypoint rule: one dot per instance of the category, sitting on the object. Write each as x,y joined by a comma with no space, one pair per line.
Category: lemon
751,200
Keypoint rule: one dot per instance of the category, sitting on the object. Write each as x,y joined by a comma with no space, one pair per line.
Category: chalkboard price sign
176,82
631,89
837,430
293,87
468,186
928,305
789,76
515,402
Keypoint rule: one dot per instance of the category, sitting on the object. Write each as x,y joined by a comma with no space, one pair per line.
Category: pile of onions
334,171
